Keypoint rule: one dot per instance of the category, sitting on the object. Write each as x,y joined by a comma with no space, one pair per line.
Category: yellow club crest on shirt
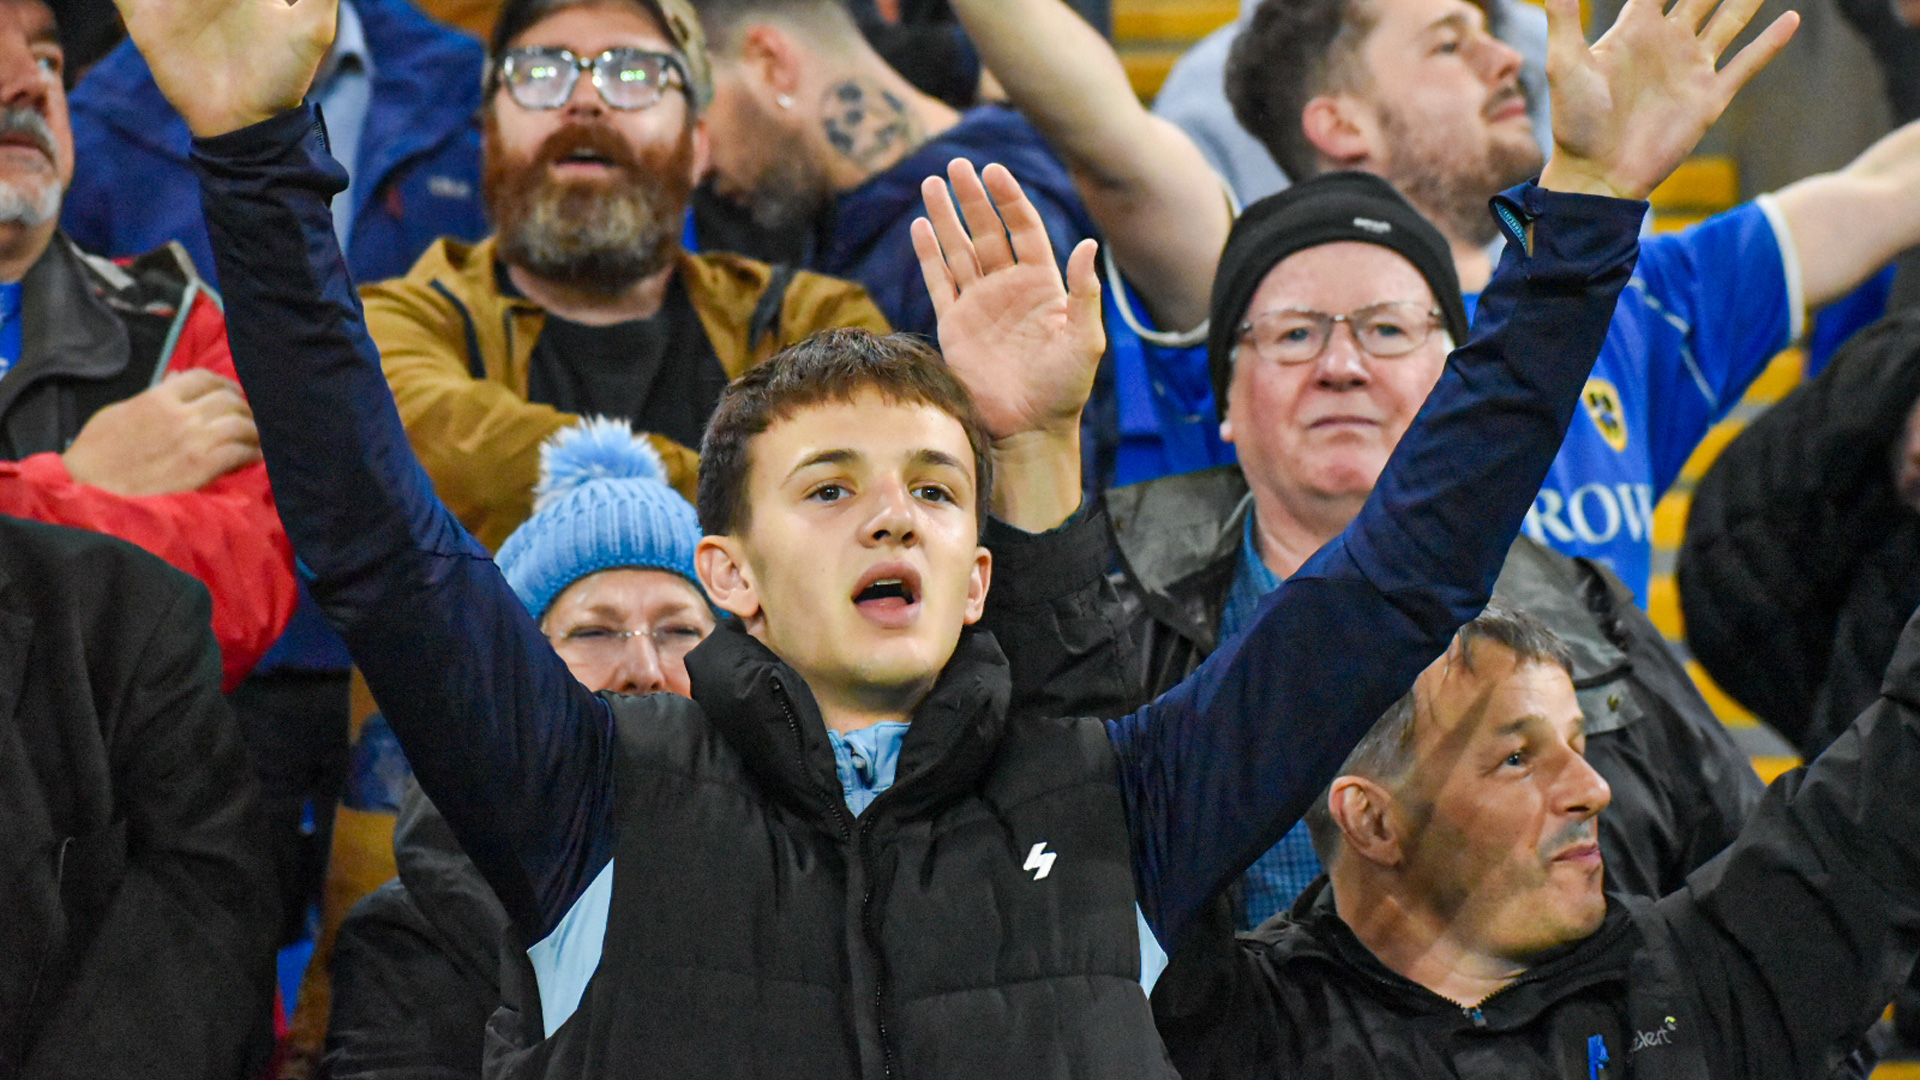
1603,406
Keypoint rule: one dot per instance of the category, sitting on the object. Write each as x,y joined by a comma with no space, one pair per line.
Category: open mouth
585,156
888,594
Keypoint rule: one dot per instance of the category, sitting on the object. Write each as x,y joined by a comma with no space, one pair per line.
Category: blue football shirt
1706,310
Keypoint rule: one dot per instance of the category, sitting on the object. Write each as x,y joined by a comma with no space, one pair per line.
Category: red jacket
96,332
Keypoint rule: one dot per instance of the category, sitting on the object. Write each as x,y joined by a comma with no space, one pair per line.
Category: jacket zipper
873,942
843,818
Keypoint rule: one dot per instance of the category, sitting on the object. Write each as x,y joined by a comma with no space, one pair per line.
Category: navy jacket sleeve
1051,609
512,749
1220,766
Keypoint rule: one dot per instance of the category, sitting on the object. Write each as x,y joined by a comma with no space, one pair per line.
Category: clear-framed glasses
601,645
543,76
1296,335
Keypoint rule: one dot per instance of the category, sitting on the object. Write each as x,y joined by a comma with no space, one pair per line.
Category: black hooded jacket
136,921
1769,964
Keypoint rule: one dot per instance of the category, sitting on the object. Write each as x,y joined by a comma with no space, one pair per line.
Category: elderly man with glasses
583,301
1334,308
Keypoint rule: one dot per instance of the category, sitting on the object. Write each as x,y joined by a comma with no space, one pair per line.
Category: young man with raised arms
963,906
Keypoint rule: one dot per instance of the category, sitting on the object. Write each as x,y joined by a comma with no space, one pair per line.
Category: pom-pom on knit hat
602,502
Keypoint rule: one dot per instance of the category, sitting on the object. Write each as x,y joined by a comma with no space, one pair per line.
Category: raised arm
1026,346
1221,766
513,751
1848,224
1834,853
1162,208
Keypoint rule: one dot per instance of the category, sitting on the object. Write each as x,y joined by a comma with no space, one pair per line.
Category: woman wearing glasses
606,561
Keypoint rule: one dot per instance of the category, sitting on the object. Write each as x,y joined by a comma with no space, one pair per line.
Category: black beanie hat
1326,209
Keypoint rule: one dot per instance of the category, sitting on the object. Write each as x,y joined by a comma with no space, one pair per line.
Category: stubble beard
595,236
1445,179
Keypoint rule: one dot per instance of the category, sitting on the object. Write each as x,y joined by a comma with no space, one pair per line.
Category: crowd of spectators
870,551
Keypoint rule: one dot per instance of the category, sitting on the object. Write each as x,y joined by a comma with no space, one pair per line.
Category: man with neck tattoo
583,301
813,131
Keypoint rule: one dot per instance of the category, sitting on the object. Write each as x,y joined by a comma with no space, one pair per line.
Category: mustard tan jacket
456,350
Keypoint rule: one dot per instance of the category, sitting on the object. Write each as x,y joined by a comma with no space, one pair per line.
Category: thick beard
588,235
1449,184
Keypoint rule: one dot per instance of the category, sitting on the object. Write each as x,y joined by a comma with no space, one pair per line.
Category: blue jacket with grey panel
754,926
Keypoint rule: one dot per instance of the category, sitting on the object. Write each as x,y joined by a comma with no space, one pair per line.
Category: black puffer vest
976,922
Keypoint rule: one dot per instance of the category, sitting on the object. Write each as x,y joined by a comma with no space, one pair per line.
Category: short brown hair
1290,52
727,20
1386,754
831,366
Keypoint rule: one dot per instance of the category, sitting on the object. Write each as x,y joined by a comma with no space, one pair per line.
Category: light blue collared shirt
344,90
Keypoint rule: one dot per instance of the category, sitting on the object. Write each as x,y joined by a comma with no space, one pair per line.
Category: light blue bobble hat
602,502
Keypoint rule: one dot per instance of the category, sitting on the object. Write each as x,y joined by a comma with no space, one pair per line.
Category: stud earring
783,101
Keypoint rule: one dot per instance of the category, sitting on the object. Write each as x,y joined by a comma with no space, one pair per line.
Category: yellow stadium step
1670,520
1703,184
1782,375
1151,34
1730,712
1147,69
1163,21
1705,454
1663,607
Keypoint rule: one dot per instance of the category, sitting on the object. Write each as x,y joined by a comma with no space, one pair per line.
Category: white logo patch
449,187
1040,860
1660,1036
1372,225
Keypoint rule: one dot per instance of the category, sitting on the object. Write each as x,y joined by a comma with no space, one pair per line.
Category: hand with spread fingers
1630,108
1025,343
225,64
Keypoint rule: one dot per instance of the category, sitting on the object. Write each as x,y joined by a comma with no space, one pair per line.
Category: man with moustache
118,409
583,301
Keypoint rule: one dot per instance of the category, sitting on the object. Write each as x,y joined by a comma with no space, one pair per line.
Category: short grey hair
1386,754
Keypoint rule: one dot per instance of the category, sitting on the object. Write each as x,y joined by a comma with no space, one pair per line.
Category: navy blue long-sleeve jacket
520,757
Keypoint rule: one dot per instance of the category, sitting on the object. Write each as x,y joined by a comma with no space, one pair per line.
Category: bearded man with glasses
584,301
1334,308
